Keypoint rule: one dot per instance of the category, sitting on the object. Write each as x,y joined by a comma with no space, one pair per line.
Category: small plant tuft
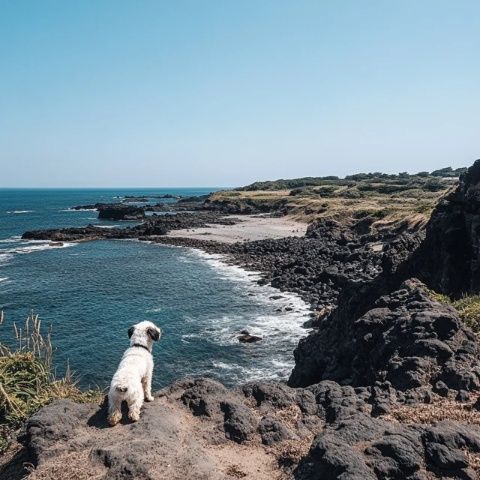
468,307
27,379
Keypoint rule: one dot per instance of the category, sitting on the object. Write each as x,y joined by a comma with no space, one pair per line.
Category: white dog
132,381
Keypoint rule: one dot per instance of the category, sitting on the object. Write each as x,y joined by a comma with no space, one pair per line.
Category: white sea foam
3,279
185,259
281,327
35,246
13,239
107,226
5,257
24,247
78,210
240,373
250,278
190,337
154,310
17,212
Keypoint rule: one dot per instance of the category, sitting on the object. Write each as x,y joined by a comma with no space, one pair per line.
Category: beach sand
248,228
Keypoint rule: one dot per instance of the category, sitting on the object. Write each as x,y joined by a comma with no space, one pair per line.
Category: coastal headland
386,384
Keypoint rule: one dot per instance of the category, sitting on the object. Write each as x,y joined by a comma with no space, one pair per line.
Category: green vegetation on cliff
468,308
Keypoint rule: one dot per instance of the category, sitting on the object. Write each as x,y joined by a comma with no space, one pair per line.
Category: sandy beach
248,228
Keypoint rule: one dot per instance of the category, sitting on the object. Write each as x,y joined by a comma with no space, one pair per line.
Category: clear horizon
102,94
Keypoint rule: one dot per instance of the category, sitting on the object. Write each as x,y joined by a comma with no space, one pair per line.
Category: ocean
91,293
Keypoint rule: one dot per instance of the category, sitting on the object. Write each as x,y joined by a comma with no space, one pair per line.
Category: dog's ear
130,331
153,333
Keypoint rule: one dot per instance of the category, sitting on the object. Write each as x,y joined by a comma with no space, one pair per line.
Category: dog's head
144,333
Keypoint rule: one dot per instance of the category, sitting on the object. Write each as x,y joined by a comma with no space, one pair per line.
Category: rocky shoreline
150,228
385,387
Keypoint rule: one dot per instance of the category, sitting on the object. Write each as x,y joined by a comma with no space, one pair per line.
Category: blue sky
222,93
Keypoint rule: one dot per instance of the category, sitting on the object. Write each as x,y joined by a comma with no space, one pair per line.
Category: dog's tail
121,388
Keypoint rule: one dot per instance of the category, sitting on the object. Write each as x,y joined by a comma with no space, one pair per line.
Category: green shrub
469,309
27,379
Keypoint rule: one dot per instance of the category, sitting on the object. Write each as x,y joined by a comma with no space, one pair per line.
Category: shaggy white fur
132,382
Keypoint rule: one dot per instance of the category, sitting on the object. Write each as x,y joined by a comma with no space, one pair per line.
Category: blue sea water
91,293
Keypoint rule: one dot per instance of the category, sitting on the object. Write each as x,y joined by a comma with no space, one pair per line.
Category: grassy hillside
380,199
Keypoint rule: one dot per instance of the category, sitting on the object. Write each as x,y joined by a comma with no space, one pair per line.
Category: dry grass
291,452
27,380
289,415
473,460
235,471
437,411
386,204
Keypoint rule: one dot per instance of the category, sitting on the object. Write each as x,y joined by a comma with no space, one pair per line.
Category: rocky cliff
449,260
386,387
197,429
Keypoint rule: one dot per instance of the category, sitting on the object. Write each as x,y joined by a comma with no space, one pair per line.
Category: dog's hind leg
147,386
114,410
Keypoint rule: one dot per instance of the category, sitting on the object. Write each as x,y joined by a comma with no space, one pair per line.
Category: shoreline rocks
263,429
386,386
406,340
152,226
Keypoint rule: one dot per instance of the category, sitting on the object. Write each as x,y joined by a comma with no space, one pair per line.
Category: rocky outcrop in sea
150,228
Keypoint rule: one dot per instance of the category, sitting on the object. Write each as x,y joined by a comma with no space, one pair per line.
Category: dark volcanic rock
273,431
87,207
90,232
317,267
150,227
245,206
135,199
406,339
114,211
202,396
49,427
246,337
449,259
372,448
239,422
118,211
180,433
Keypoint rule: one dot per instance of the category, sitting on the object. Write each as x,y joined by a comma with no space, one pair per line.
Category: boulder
246,337
406,338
